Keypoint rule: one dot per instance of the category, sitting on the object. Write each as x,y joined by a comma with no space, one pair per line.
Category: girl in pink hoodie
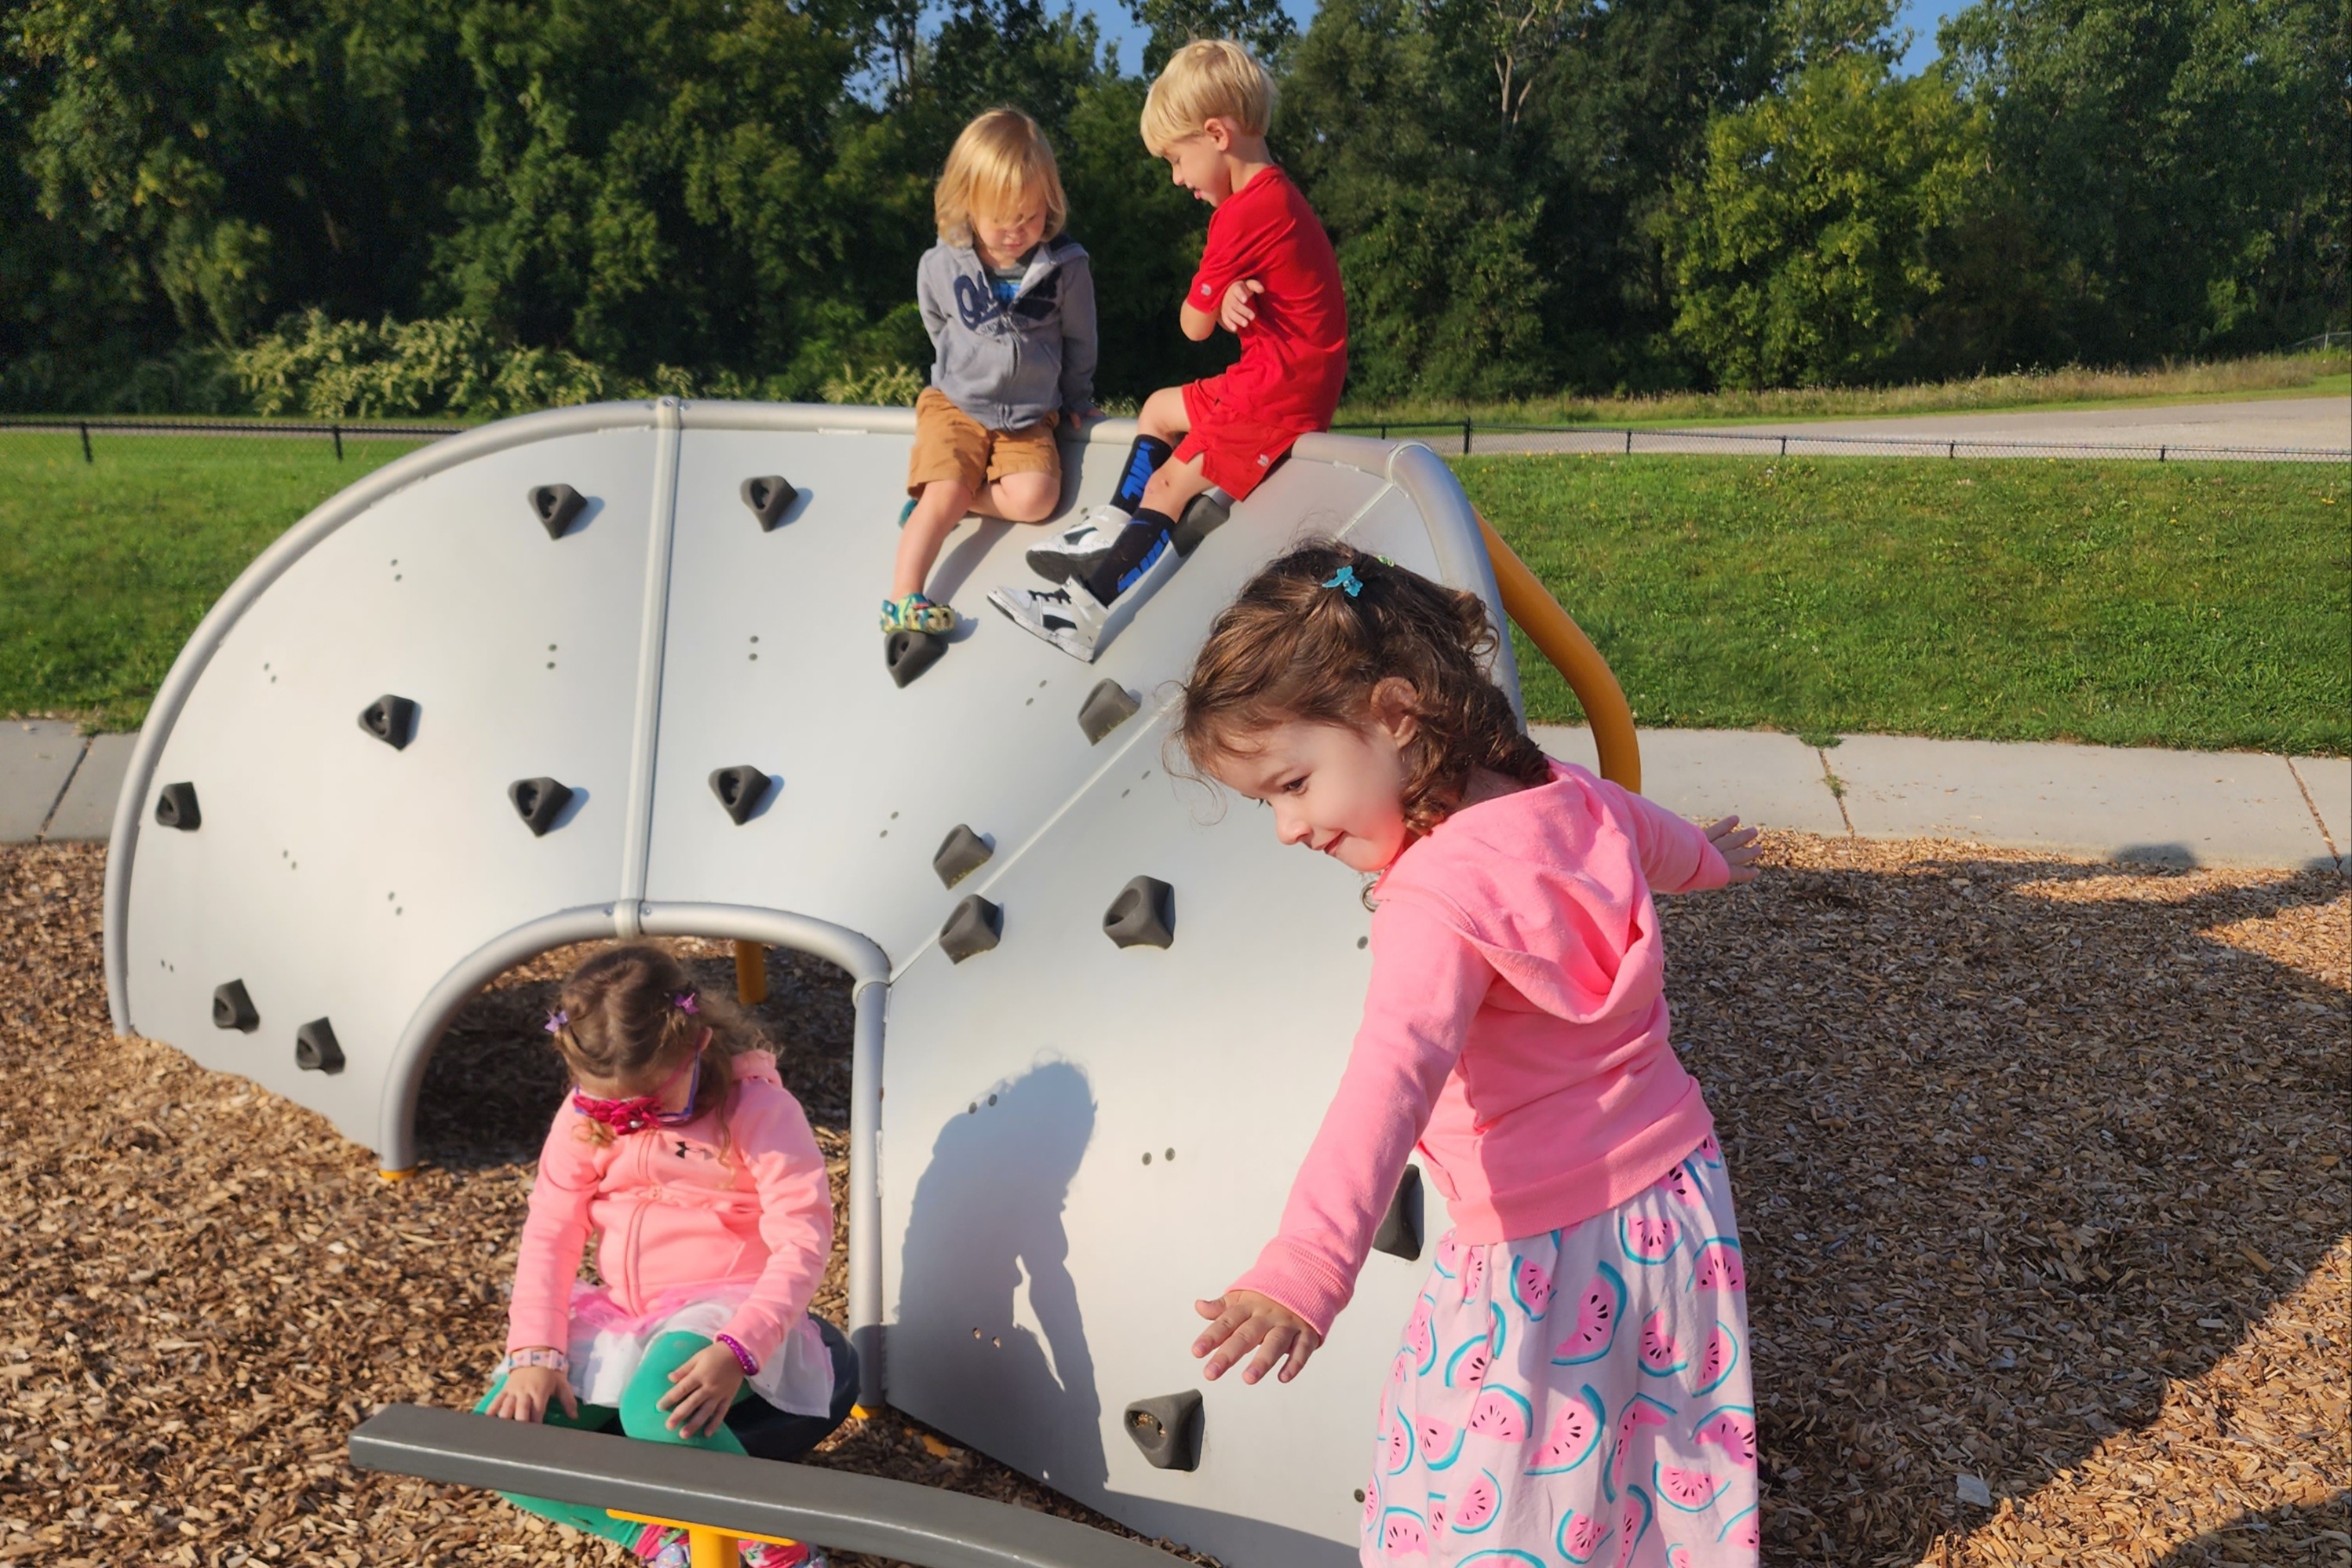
680,1152
1574,1382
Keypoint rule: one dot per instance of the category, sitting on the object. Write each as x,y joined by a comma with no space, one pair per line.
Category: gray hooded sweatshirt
1008,366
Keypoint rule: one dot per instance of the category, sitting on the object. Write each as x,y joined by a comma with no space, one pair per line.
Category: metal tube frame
869,977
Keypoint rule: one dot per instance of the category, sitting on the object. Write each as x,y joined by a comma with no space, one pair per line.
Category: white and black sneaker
1069,617
1071,554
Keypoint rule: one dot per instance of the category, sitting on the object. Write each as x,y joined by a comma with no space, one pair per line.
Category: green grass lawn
2135,604
2201,605
106,567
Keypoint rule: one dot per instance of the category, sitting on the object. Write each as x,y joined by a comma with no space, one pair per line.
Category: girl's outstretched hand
1240,1320
701,1392
1737,844
528,1390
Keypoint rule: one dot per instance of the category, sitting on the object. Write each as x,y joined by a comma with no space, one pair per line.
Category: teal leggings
640,1416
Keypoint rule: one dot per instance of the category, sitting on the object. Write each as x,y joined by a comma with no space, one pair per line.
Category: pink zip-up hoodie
671,1208
1515,1027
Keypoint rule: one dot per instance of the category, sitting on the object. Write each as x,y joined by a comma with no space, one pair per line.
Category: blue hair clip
1346,580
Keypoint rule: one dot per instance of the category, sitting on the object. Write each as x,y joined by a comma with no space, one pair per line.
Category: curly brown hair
624,1014
1295,648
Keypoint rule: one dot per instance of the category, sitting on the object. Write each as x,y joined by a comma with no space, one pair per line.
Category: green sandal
916,613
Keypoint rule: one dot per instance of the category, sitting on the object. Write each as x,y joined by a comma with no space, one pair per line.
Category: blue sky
1919,16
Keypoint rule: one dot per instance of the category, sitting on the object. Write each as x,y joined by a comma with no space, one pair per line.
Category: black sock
1138,544
1143,460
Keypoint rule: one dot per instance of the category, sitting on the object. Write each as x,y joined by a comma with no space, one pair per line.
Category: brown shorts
952,445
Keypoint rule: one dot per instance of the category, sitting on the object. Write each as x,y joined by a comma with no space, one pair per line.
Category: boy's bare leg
938,509
1015,498
1163,414
1020,497
1174,486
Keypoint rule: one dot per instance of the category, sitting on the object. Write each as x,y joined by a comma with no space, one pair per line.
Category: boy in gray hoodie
1009,301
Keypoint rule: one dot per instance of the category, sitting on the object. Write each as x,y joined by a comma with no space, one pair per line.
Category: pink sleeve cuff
1299,1281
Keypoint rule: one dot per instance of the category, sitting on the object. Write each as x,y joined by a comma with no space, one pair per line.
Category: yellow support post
751,973
706,1545
1563,642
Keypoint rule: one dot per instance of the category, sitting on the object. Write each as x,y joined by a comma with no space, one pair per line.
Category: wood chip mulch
2040,1164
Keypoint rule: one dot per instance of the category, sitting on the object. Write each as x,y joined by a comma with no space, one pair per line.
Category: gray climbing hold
175,806
960,853
740,789
1106,707
391,720
976,926
1400,1232
908,654
1167,1430
233,1008
555,506
1207,512
1143,915
315,1049
538,802
769,496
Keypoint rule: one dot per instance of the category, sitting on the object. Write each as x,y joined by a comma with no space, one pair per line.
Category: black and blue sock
1138,544
1143,460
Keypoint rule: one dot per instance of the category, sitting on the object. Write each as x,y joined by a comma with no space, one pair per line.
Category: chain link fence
90,434
370,443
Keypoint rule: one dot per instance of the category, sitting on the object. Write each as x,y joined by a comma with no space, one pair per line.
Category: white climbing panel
1076,1139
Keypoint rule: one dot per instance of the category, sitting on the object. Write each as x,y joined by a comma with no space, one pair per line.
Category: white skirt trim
609,1344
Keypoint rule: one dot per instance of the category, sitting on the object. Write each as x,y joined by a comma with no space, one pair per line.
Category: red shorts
1235,445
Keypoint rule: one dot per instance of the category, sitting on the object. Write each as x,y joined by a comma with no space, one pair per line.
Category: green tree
1261,27
655,183
2178,174
234,162
1806,250
1396,151
1488,169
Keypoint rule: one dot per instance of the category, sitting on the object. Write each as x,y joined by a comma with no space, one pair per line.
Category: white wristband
555,1360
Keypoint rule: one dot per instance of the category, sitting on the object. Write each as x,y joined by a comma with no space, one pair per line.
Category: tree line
414,207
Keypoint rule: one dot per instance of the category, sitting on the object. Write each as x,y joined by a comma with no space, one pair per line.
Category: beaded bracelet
554,1360
743,1358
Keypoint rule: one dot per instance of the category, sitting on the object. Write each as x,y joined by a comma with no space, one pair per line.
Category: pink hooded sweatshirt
673,1208
1515,1025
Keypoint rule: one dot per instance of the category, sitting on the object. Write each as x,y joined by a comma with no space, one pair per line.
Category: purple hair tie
557,1020
684,1003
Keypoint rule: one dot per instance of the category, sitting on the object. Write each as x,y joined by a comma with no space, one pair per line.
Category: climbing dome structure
613,670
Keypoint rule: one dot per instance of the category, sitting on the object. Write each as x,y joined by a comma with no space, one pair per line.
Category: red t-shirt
1294,356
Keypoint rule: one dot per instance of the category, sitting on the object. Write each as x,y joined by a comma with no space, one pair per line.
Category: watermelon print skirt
1578,1397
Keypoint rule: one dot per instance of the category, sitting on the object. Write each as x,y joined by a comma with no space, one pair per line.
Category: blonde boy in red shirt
1266,275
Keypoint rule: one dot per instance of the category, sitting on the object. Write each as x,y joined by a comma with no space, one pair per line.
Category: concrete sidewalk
56,784
2178,808
2174,808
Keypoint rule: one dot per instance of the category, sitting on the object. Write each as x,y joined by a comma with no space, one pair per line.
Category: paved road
2315,429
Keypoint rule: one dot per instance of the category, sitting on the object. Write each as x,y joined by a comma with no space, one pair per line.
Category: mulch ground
2042,1171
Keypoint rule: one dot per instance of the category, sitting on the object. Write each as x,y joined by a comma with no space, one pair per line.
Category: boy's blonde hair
1208,79
1001,161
